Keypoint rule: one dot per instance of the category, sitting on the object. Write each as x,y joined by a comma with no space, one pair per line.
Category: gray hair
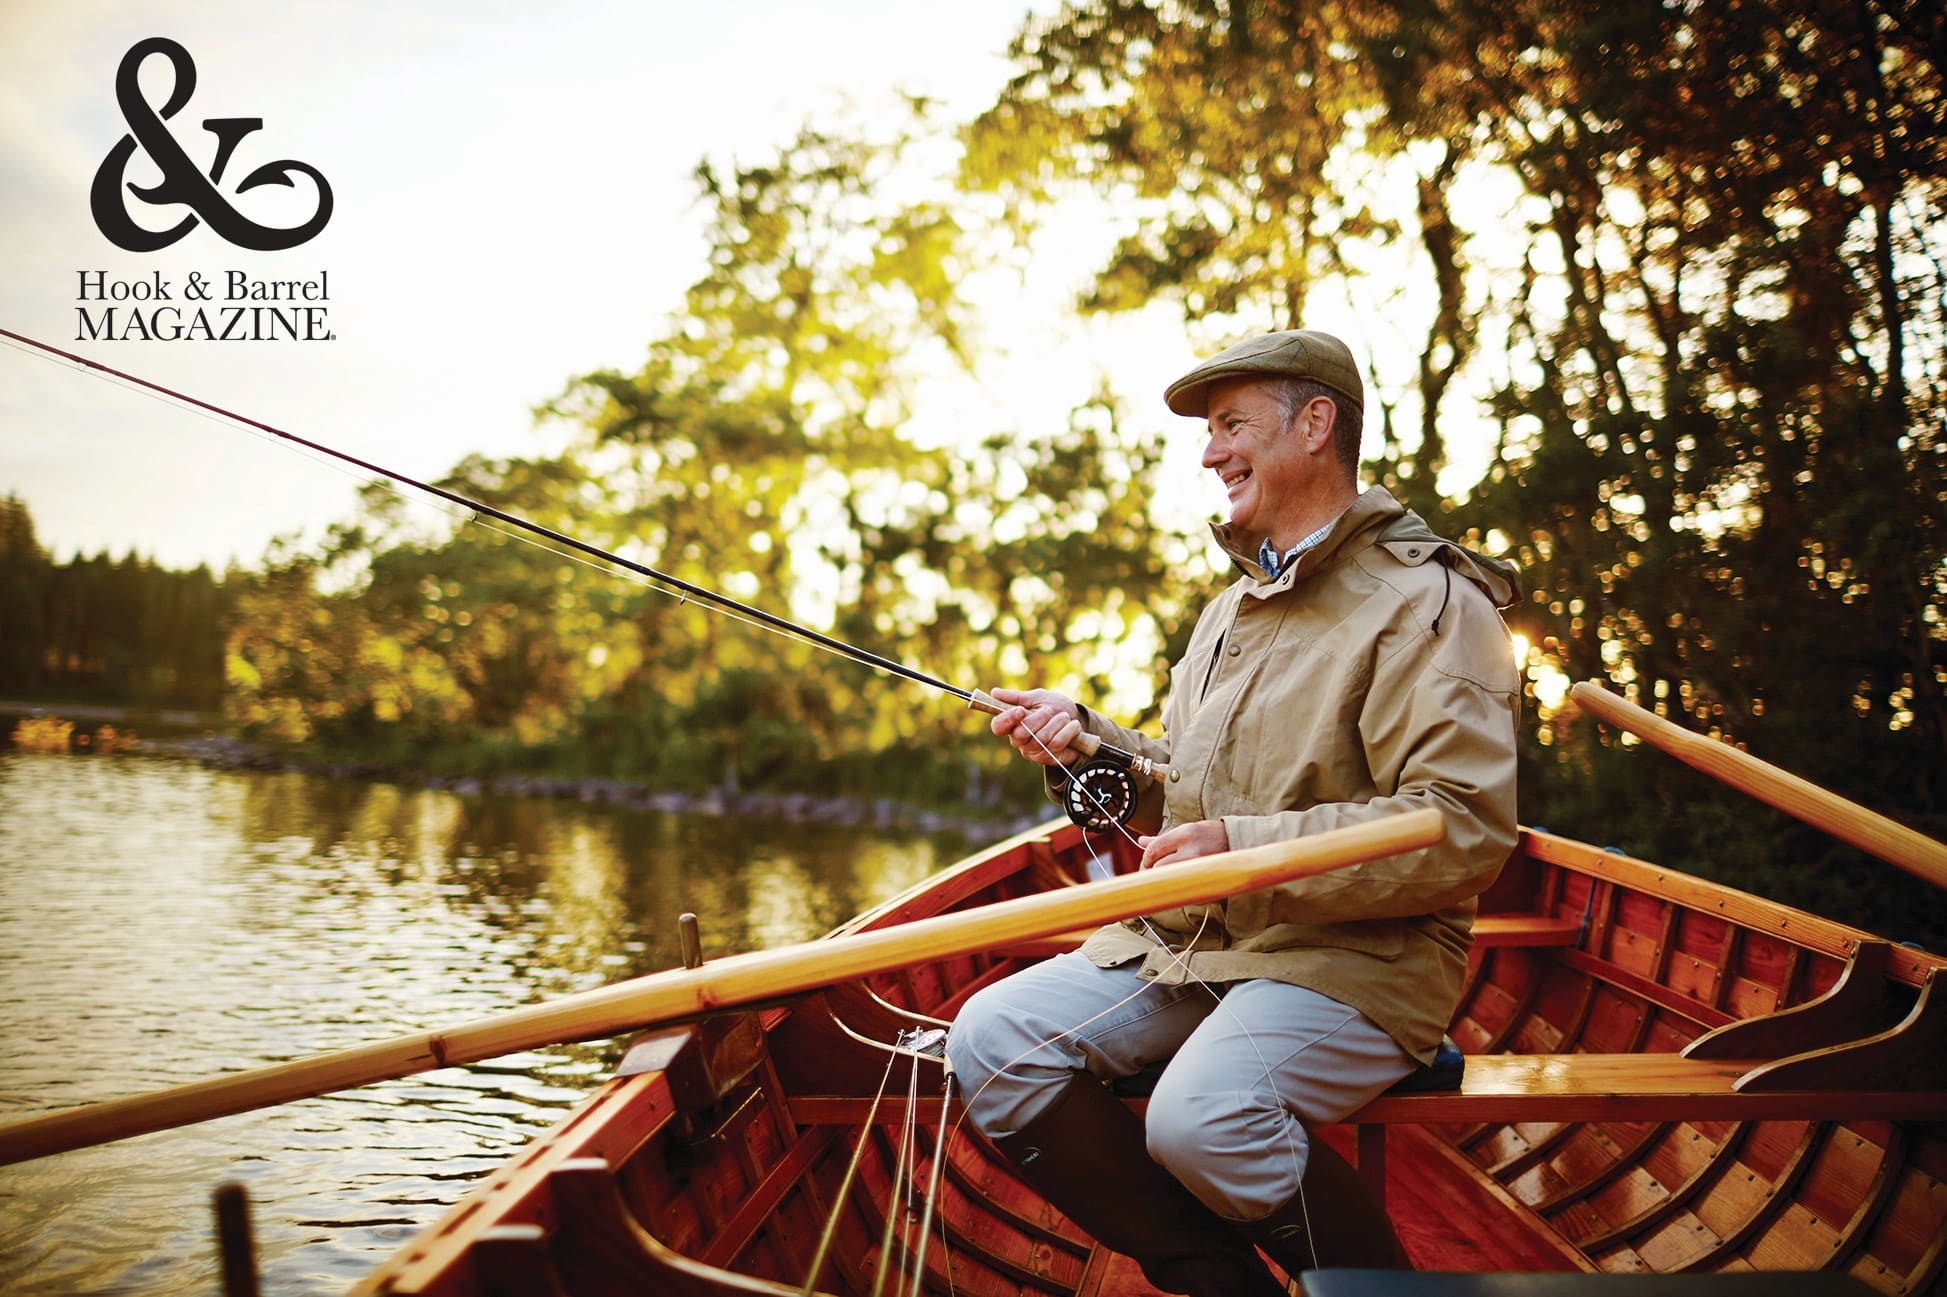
1348,424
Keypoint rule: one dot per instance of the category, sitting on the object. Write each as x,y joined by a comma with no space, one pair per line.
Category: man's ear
1316,421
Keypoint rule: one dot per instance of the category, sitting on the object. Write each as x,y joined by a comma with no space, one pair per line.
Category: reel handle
1088,744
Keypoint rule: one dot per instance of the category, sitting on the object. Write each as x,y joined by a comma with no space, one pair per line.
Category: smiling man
1355,668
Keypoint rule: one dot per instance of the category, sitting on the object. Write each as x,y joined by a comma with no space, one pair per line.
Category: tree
1714,362
764,448
25,573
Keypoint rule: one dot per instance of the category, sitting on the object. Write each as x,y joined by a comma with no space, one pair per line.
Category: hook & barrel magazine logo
226,305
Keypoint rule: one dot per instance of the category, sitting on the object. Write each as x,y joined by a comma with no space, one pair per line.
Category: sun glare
1549,681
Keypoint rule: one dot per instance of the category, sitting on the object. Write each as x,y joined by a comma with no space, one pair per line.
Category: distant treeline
106,630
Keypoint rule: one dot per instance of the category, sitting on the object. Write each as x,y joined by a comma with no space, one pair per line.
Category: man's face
1264,467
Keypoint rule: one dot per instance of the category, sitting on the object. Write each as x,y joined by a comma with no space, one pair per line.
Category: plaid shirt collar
1273,563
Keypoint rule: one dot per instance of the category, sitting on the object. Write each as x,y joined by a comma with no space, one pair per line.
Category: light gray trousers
1250,1065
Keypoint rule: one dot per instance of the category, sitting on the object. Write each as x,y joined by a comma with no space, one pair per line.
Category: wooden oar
1848,821
726,983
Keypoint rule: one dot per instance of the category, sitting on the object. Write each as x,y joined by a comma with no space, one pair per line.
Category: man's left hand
1184,842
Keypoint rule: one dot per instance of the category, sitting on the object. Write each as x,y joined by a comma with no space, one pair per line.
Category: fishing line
464,515
933,1196
653,579
845,1186
893,1183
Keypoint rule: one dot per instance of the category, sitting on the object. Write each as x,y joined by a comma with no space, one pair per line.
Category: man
1356,668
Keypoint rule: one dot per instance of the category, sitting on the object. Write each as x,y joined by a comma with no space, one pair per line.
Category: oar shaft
1848,821
723,984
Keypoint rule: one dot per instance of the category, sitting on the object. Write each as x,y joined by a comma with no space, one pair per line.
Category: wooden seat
1634,1087
1499,930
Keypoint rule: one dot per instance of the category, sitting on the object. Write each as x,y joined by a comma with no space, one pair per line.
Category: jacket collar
1375,518
1374,509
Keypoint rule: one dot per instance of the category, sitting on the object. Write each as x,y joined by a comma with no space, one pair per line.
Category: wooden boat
1662,1075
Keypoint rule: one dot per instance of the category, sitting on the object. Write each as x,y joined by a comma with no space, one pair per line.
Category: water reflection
161,923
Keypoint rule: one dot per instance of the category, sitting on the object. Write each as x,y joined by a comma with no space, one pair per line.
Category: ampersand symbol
181,181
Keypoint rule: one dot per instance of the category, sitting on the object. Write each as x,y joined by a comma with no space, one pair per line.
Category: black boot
1333,1220
1085,1154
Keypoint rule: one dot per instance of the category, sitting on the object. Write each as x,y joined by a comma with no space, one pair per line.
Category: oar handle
1848,821
1087,744
727,983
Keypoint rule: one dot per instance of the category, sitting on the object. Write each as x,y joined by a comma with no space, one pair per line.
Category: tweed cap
1292,353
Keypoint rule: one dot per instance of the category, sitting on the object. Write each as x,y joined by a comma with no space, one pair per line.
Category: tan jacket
1373,676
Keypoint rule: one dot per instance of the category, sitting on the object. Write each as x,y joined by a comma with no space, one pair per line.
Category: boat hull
739,1144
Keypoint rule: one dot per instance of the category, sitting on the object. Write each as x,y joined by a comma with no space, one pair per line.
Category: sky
513,205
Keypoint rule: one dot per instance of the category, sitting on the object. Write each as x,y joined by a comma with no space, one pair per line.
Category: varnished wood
1777,1198
514,1261
1716,1164
1845,1012
599,1248
1848,821
1911,1056
1873,1201
613,1124
1487,1202
1526,930
1643,1087
1549,1087
735,1234
1371,1163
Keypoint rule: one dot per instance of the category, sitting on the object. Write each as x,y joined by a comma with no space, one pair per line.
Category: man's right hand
1041,724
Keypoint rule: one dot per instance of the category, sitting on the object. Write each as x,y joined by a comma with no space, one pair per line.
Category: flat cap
1292,353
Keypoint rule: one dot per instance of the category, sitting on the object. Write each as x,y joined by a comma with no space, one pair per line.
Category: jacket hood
1400,530
1498,579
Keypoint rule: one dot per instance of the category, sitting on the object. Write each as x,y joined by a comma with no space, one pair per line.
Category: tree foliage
1714,362
765,448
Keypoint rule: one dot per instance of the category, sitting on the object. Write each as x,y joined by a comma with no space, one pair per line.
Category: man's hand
1040,723
1184,842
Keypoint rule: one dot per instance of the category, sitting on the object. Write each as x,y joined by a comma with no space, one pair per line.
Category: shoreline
219,753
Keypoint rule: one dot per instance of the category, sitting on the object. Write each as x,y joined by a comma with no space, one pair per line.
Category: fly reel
1101,795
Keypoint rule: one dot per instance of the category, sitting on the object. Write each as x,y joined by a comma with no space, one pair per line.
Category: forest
1665,284
96,629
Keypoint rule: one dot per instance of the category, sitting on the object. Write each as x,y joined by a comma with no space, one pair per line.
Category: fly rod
1100,794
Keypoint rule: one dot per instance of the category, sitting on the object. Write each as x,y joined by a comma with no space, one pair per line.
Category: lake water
161,923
